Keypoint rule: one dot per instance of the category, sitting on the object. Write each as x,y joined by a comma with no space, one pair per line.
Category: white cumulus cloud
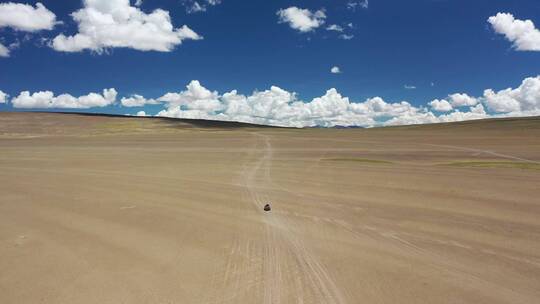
25,17
3,97
106,24
279,107
302,20
525,98
441,105
276,106
335,70
46,99
137,101
424,117
462,100
456,100
522,33
195,97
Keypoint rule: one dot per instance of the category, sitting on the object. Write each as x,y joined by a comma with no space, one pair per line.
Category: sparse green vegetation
495,164
134,125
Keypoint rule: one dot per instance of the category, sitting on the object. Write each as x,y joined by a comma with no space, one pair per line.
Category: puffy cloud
525,98
276,106
3,97
141,114
115,23
335,70
46,99
441,105
453,101
4,51
478,109
462,100
138,2
422,117
196,97
25,17
413,119
137,101
302,20
279,107
476,112
522,100
522,33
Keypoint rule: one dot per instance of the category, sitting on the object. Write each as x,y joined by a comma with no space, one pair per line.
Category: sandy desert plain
97,209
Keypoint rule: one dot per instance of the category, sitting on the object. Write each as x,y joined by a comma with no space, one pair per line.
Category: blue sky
440,47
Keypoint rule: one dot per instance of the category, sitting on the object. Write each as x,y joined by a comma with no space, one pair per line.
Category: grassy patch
495,164
119,126
359,160
130,126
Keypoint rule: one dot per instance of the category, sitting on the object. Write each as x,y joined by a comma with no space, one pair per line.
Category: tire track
290,270
493,153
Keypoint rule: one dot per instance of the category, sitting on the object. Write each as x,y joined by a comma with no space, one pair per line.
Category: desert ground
97,209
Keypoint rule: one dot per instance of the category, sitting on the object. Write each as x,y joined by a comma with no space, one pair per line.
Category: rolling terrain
100,209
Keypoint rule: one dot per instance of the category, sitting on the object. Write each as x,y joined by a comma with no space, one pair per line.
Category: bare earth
136,210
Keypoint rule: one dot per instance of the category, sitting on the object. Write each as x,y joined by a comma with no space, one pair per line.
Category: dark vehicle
267,207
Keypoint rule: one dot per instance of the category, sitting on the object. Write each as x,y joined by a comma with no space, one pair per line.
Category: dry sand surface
137,210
